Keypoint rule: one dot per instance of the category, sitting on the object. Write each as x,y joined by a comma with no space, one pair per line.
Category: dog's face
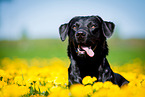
84,32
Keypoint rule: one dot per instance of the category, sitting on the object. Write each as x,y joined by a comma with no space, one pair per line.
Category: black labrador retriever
87,49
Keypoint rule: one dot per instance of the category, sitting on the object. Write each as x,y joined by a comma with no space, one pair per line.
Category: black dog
88,48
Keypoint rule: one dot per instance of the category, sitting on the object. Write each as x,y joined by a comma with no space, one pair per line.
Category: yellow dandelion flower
107,84
114,87
88,89
88,80
97,85
49,85
2,84
43,89
52,75
60,80
94,79
55,89
19,80
103,92
77,90
143,83
2,73
64,93
36,86
49,79
14,90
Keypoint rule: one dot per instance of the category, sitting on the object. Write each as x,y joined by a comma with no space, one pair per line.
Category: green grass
33,48
120,51
124,51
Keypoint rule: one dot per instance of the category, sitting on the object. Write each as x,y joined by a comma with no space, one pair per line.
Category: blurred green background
29,28
120,51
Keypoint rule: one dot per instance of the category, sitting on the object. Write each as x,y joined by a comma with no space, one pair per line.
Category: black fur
89,31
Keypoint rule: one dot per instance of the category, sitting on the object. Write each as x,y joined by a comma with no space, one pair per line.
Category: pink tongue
89,51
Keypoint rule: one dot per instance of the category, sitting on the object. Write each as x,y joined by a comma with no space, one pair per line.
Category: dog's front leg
104,71
74,73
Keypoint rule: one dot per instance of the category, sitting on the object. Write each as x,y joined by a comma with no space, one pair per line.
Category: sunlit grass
120,51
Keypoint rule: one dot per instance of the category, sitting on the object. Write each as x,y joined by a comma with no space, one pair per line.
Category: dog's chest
87,68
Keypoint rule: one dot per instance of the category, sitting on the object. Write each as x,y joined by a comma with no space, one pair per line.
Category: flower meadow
40,77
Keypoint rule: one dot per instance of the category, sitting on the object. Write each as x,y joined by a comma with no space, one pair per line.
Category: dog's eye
74,27
93,26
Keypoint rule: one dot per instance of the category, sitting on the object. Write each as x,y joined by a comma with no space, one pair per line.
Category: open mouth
84,49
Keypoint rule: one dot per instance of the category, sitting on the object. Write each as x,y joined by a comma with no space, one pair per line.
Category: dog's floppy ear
63,31
107,27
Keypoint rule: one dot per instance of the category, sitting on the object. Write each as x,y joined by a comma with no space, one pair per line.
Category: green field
120,51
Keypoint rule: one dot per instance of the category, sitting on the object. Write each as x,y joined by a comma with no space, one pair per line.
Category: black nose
80,33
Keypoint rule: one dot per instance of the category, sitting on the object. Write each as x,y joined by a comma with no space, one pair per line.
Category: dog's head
85,31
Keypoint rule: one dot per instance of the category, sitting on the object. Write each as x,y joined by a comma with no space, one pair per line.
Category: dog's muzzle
81,36
82,48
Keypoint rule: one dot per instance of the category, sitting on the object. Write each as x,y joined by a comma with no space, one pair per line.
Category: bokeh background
29,28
